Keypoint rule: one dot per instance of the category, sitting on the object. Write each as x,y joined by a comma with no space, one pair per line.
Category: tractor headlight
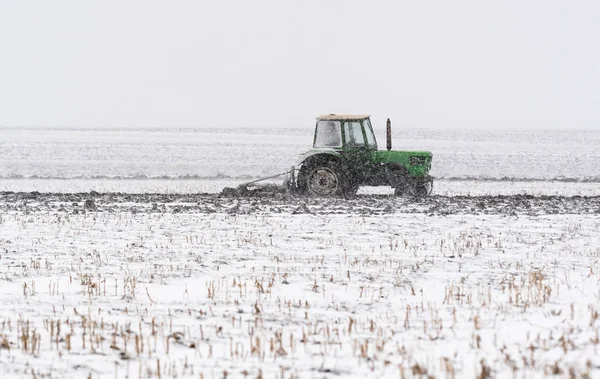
417,161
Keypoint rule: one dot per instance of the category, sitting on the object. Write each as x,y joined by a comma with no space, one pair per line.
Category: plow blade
256,188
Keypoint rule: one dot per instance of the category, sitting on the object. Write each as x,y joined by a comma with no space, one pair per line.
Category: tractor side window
369,132
353,133
328,134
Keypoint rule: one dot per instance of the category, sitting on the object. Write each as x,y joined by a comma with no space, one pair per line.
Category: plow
343,158
259,186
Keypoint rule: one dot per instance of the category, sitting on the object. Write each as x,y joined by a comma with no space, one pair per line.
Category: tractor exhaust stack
388,134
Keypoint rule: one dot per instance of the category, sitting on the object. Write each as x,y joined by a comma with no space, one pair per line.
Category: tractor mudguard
313,155
310,158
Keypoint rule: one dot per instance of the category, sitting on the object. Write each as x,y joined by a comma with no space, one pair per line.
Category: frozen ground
197,285
496,275
194,186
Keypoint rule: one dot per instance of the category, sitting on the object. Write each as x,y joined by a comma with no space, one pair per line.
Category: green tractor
345,157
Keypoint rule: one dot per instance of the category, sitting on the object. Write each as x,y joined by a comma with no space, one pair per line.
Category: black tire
423,188
324,180
398,180
420,190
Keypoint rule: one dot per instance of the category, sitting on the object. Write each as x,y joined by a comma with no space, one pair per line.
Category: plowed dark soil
282,203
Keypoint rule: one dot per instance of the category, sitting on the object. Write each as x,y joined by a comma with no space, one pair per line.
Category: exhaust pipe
388,134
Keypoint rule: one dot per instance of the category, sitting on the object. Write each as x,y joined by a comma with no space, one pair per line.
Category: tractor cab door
358,147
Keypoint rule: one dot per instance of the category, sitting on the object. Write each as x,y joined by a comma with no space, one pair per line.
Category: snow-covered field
159,277
176,286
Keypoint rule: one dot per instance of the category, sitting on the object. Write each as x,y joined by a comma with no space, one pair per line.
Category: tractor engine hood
397,156
418,163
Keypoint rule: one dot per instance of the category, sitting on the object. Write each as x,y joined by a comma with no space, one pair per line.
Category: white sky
438,64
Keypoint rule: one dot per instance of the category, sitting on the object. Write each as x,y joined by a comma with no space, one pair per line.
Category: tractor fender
318,155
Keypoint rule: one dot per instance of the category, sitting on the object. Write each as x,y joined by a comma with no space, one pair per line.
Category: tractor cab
344,132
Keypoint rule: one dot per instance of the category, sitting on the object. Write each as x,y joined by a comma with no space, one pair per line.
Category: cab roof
342,117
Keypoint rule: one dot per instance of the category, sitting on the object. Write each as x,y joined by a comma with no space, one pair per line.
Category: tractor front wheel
404,186
324,181
422,188
398,180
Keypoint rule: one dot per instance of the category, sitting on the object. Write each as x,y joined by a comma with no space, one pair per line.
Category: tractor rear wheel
324,180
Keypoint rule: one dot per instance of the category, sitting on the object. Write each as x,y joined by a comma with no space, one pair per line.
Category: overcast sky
436,64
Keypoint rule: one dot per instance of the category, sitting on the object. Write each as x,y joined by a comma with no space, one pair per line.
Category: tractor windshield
328,134
369,133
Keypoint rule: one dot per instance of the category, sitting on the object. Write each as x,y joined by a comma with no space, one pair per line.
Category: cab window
353,134
328,134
